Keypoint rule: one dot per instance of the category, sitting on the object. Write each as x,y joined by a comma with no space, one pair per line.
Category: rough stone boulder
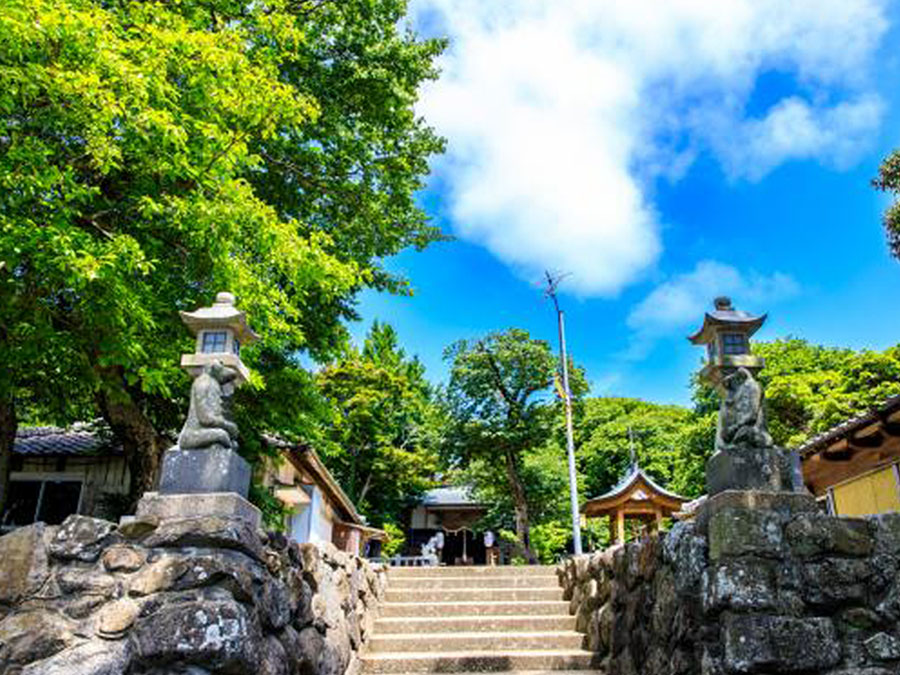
207,532
219,635
81,538
24,568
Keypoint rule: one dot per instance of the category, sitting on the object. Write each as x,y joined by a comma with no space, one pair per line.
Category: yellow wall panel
875,492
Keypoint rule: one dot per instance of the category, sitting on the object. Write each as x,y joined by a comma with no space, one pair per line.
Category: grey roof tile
79,439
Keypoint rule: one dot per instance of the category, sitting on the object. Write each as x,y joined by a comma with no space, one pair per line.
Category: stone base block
744,468
204,471
782,505
169,507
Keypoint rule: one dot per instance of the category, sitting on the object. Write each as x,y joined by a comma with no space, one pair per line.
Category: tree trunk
142,444
521,504
8,425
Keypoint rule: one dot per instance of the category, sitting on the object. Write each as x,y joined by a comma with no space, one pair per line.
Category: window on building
50,501
236,346
214,341
734,343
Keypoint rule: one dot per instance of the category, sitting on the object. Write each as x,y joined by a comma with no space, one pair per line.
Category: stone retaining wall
199,595
764,584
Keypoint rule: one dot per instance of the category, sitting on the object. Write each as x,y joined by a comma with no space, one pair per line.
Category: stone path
470,619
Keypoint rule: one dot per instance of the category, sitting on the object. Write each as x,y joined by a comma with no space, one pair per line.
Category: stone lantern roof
221,314
726,317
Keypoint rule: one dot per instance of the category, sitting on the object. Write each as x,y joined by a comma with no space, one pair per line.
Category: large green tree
153,153
384,428
501,402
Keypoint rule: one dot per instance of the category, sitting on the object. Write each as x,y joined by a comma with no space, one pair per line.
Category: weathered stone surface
743,584
884,647
274,660
309,647
744,467
87,580
197,471
218,635
741,531
181,598
160,575
859,618
211,505
759,643
886,530
784,505
89,658
23,563
138,527
686,552
83,606
114,620
81,538
817,534
835,581
32,635
123,558
335,653
207,532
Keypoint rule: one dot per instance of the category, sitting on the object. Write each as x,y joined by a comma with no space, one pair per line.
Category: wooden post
659,519
620,525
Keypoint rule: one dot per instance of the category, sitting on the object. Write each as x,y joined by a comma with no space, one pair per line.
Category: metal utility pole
570,441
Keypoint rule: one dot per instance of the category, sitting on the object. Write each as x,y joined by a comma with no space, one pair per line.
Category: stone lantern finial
726,332
221,331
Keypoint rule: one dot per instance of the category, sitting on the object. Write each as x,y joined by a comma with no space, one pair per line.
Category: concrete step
494,661
475,581
473,607
480,570
470,594
475,642
473,623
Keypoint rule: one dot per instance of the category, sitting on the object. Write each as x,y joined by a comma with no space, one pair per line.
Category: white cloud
562,113
681,301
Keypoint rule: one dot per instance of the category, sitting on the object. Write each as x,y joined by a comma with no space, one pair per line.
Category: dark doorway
453,548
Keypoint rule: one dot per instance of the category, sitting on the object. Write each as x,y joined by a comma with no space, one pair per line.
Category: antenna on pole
553,282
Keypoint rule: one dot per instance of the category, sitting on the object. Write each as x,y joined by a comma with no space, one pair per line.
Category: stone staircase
474,619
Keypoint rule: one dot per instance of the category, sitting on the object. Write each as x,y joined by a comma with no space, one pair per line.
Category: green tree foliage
604,445
384,428
888,180
153,153
811,388
395,541
499,396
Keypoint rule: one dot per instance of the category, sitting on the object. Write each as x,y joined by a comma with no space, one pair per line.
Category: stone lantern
221,330
745,456
726,332
203,475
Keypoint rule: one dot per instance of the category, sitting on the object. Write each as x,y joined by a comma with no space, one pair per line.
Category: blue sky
661,154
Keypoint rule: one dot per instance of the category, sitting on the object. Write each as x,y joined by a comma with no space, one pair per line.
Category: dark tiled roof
449,496
848,427
633,474
79,439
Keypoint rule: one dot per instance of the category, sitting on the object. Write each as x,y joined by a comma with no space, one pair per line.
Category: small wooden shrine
637,496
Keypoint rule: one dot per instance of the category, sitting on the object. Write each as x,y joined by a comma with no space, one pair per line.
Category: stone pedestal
749,467
753,505
168,507
204,471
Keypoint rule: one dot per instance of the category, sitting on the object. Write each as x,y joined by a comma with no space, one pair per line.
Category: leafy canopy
383,429
154,153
